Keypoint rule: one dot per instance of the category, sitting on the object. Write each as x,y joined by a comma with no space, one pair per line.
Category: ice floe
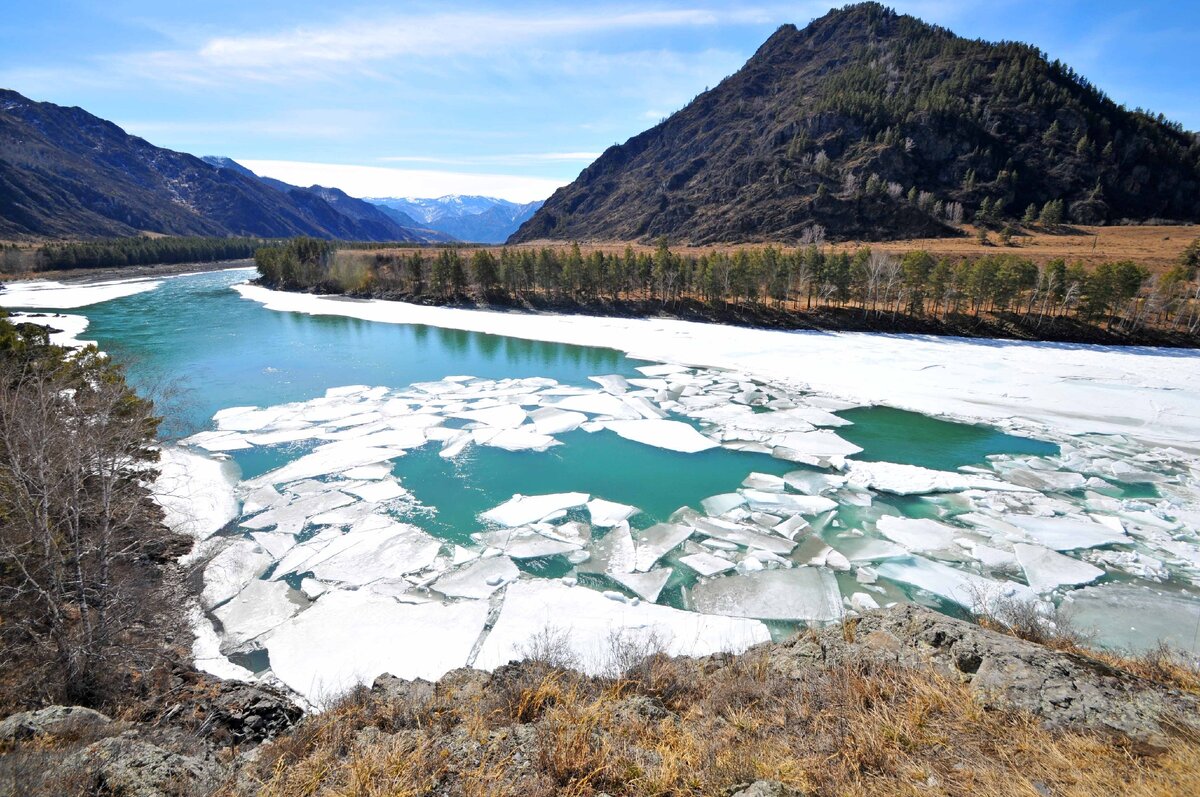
671,435
1047,570
351,637
598,633
521,510
808,594
196,492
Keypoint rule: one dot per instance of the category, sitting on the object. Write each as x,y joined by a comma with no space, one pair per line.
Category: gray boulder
51,721
139,769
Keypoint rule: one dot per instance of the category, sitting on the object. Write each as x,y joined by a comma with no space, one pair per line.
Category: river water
205,349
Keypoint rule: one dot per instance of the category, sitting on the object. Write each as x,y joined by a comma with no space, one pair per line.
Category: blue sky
509,99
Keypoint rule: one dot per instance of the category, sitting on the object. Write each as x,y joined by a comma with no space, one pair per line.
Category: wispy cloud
359,45
379,181
520,159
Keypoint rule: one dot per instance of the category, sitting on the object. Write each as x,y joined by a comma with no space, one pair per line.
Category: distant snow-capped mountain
478,219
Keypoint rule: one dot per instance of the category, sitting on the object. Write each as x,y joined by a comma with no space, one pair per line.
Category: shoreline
126,273
1145,392
1060,330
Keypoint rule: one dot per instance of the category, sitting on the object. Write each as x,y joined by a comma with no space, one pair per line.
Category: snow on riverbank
1150,394
69,327
68,296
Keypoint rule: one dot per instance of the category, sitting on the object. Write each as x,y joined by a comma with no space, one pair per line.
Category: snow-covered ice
591,626
808,594
1047,570
521,510
352,637
195,492
671,435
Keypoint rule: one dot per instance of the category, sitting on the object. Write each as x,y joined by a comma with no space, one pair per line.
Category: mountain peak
869,124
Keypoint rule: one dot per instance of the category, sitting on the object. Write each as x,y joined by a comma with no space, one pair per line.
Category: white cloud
518,159
309,52
380,181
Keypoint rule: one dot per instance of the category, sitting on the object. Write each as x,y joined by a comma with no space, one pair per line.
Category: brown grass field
1156,247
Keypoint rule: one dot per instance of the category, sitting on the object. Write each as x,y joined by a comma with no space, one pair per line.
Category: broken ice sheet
890,477
255,610
522,510
957,586
596,633
524,543
706,564
918,534
803,594
1067,533
647,586
612,553
1047,570
654,543
478,579
761,501
1135,616
671,435
741,535
608,513
236,564
375,548
351,637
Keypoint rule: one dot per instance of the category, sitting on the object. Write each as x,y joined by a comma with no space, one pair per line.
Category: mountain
362,221
872,125
67,173
478,219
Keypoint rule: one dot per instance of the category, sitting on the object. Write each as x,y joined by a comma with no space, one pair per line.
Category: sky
509,99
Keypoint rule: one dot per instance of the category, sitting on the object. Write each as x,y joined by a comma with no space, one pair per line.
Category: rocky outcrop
228,713
55,721
1065,690
186,744
134,768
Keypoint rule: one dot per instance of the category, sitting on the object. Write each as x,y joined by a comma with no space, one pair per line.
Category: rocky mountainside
67,173
477,219
871,125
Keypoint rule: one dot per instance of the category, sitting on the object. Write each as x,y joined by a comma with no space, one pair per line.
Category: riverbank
87,275
998,326
901,701
1147,393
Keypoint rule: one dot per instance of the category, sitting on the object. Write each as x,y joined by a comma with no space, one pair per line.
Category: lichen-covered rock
1065,690
51,721
134,768
767,788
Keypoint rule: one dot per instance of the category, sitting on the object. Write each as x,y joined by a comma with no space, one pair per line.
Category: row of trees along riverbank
872,285
118,252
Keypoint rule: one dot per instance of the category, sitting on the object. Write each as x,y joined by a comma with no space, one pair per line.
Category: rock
51,721
639,707
134,768
226,713
1064,690
767,788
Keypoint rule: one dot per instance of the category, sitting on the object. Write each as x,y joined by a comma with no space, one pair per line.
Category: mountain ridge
66,173
466,217
868,124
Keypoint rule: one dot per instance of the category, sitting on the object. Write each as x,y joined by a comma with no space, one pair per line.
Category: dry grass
1157,247
684,727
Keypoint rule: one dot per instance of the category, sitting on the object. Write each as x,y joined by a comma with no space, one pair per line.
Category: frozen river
382,487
